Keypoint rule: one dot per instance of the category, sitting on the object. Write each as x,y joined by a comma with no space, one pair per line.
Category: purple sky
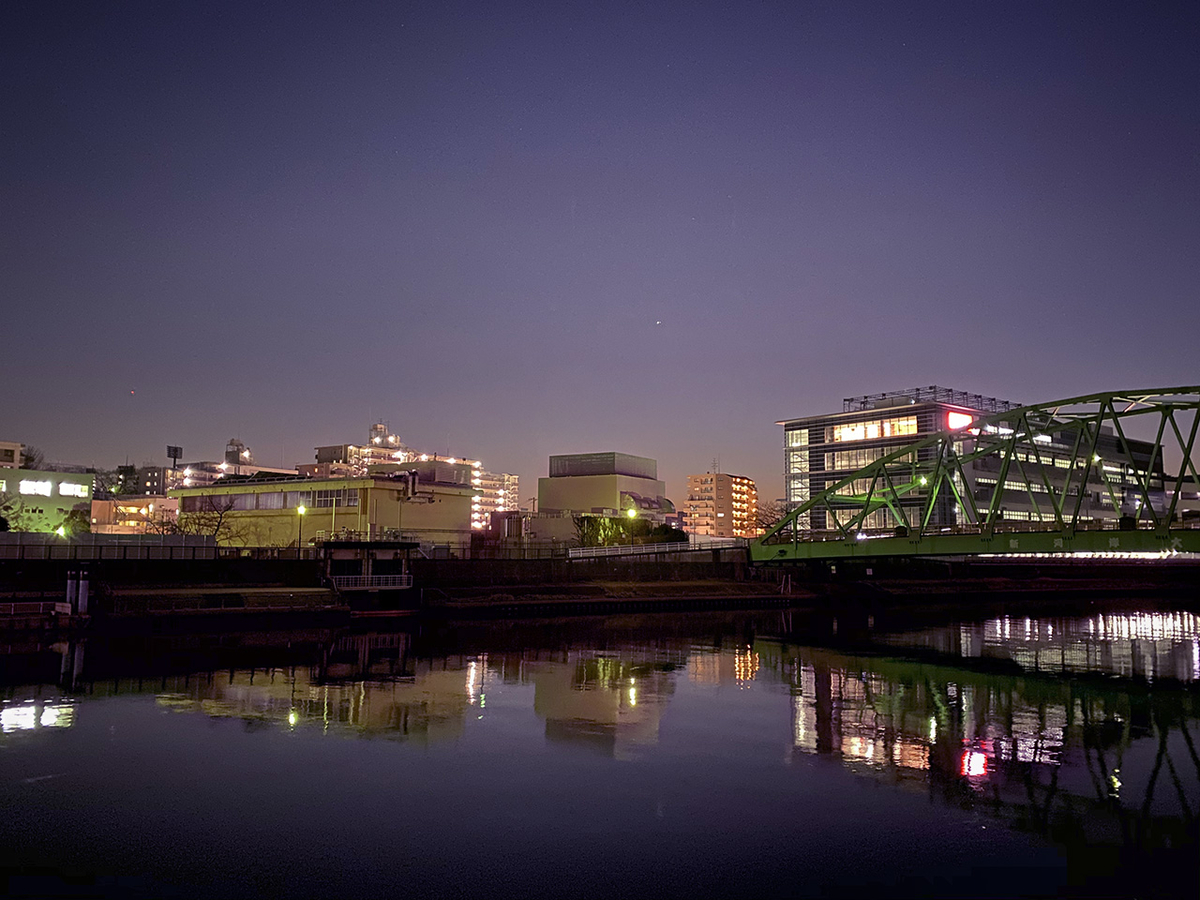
512,230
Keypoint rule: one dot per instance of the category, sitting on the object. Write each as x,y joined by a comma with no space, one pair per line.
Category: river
673,755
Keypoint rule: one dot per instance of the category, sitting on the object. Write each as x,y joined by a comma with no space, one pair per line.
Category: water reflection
1150,645
609,701
986,717
32,714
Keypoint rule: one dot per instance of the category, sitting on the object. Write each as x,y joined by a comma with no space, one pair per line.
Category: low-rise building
11,454
45,501
136,514
280,511
384,453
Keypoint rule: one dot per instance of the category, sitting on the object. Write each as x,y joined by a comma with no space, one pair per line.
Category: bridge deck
834,546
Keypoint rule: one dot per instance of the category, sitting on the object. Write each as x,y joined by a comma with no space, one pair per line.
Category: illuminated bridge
1103,474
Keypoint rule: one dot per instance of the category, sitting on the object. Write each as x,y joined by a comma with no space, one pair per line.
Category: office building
820,451
722,505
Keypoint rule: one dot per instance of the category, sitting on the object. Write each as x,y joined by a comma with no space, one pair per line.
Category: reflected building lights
745,665
29,715
1144,645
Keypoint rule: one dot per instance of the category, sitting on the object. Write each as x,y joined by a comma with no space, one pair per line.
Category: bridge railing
370,582
1002,527
691,545
36,608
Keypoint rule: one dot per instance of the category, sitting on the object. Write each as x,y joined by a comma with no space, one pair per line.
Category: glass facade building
821,451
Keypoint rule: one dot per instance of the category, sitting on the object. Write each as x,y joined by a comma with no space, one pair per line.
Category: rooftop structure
931,394
602,464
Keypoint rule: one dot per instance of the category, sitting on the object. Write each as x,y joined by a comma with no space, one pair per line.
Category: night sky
517,229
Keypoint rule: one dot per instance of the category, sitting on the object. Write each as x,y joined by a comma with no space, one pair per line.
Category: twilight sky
518,229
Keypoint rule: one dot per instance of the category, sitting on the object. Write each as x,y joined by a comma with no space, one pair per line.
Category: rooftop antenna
716,465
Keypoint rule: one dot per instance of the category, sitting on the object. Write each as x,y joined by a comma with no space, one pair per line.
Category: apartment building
722,505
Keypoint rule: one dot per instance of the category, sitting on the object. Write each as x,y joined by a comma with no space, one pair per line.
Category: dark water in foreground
688,755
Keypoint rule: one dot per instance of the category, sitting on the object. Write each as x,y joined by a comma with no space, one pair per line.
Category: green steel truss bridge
1083,487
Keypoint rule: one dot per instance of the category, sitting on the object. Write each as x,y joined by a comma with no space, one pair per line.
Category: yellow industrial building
297,511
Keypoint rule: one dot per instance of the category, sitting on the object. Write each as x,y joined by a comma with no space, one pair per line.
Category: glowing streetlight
300,511
632,513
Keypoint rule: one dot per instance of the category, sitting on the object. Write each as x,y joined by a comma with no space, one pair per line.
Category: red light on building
957,420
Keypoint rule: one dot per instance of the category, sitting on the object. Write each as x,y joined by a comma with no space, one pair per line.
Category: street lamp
300,511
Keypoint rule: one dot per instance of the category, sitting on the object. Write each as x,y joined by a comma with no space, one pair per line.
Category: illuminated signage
956,420
69,489
36,488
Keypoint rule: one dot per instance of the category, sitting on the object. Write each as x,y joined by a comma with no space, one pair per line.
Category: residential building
154,481
385,452
11,454
821,450
382,447
607,484
494,493
44,501
238,461
137,514
722,505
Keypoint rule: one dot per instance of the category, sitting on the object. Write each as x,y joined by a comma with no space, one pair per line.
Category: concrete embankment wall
452,573
51,574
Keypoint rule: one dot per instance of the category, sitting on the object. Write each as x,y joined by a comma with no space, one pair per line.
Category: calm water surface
676,756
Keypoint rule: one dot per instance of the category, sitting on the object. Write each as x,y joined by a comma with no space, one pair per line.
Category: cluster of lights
31,714
31,488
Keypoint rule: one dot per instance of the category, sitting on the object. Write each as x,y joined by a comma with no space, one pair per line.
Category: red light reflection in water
973,764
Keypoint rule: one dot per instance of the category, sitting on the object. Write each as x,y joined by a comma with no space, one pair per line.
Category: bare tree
32,457
106,484
770,513
211,518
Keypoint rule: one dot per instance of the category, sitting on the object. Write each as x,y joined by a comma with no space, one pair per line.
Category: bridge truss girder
1026,445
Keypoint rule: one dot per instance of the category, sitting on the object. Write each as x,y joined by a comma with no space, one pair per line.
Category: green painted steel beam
1016,442
1007,542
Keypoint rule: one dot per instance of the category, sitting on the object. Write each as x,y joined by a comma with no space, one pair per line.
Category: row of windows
270,500
872,430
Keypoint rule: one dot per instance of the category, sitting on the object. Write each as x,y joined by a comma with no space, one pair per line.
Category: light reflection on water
700,723
1150,645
